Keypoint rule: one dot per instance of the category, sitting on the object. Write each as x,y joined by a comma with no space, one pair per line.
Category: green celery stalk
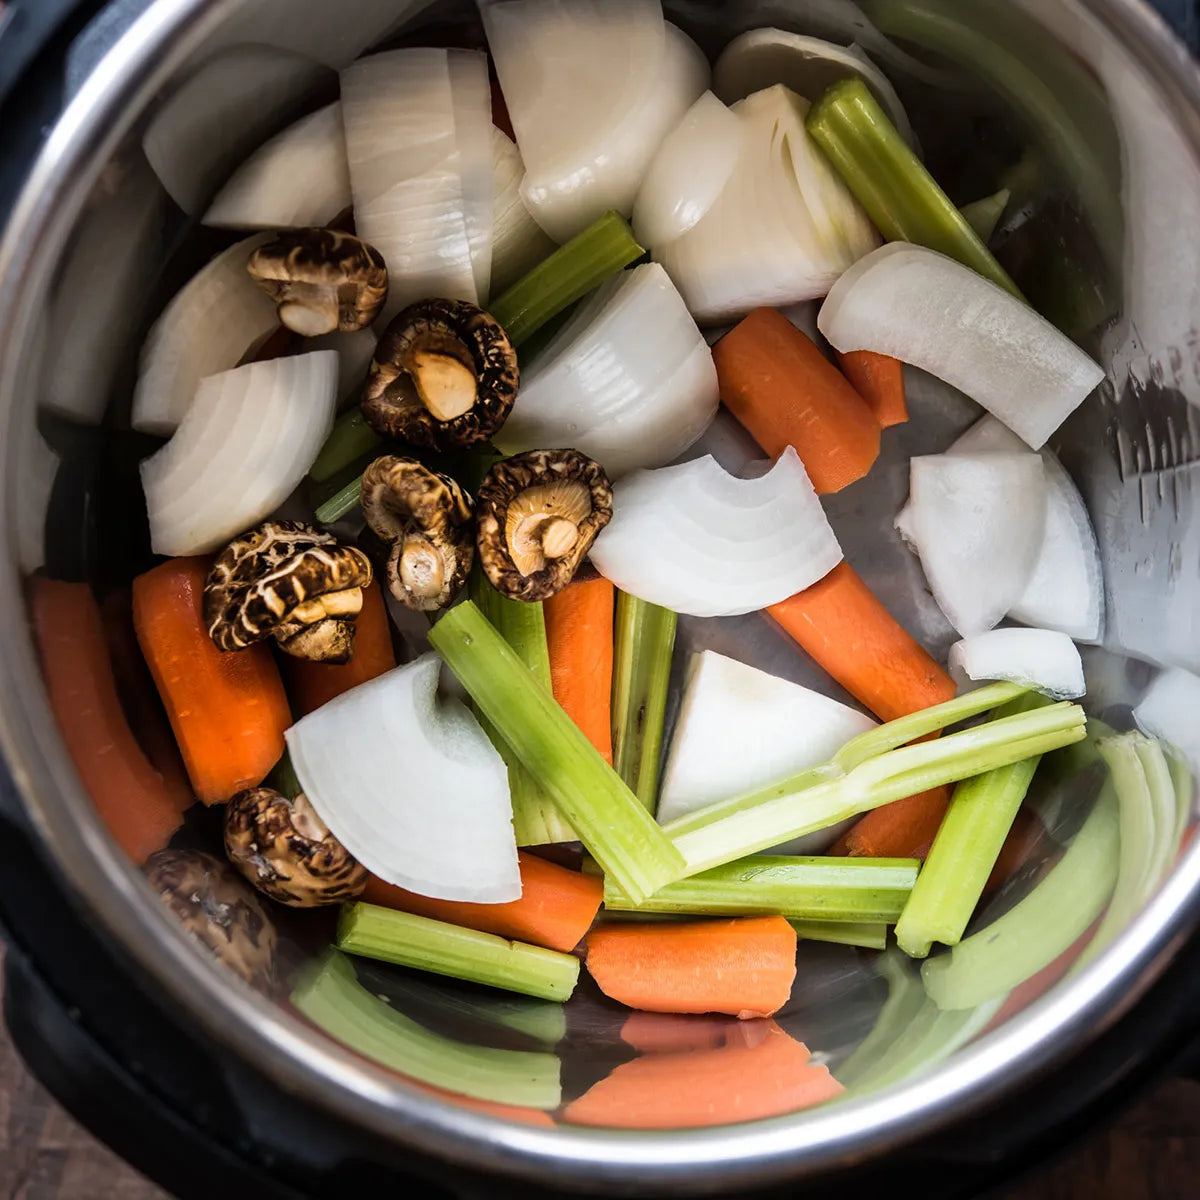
283,778
345,500
350,438
1036,930
536,818
905,999
444,949
870,935
984,215
816,889
331,997
1162,795
845,787
614,827
574,269
965,850
643,646
890,182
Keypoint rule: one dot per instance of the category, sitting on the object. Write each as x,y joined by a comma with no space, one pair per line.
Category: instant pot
207,1086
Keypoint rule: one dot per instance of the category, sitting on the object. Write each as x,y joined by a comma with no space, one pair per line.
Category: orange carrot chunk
744,967
139,809
700,1088
312,684
879,380
228,709
579,634
903,829
556,908
787,393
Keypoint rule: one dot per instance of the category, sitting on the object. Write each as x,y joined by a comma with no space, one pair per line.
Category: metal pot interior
1107,156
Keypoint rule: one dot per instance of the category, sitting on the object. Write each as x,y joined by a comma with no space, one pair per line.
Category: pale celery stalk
350,438
614,827
965,850
536,818
870,935
890,182
567,275
1162,796
444,949
984,215
643,645
849,785
1036,930
345,500
812,889
906,997
331,997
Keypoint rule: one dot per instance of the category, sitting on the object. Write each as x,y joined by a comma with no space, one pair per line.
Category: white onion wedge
412,787
739,729
471,93
1169,711
1035,658
783,229
518,242
978,521
629,380
299,178
698,541
926,309
246,442
208,327
761,58
688,172
355,351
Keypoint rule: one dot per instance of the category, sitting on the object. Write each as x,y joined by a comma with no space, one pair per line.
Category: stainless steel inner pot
1097,108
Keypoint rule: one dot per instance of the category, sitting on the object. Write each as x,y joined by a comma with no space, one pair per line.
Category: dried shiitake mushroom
219,911
321,280
285,850
444,377
288,581
429,522
537,515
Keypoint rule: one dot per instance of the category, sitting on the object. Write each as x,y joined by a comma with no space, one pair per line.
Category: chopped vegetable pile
410,645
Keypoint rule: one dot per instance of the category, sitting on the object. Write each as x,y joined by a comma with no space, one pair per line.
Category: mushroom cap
284,849
322,280
290,581
444,377
217,908
429,522
537,515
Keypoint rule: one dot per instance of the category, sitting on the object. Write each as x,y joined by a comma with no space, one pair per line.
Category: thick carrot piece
579,635
313,684
911,823
744,967
1026,837
879,380
140,811
701,1088
556,908
228,710
786,393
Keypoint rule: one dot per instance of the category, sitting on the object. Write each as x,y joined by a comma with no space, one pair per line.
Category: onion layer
355,351
629,380
246,443
698,541
208,327
412,787
1035,658
926,309
518,241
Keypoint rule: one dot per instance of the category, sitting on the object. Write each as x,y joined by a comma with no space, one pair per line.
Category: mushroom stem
445,385
421,567
312,314
559,537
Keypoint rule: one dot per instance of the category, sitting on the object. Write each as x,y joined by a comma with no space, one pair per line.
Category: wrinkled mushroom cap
285,850
288,581
444,377
537,515
429,522
219,911
321,280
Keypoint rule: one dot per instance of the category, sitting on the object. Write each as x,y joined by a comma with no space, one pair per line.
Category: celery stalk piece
984,215
870,935
1036,930
350,438
614,827
573,270
806,889
1181,780
283,778
906,997
644,644
444,949
536,819
343,501
965,850
890,182
825,795
331,997
1162,796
